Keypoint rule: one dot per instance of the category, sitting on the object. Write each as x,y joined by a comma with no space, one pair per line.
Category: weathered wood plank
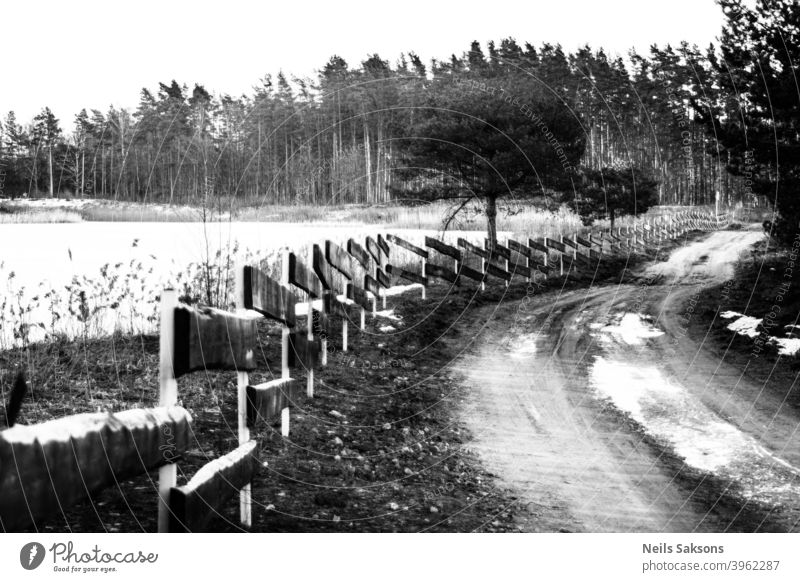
268,297
265,401
443,248
301,277
497,272
537,245
383,279
211,339
322,268
374,250
583,260
49,466
404,244
358,296
554,244
470,273
569,242
383,246
598,240
471,248
520,269
332,304
193,505
407,275
339,259
583,242
500,251
304,353
371,285
440,272
358,253
521,249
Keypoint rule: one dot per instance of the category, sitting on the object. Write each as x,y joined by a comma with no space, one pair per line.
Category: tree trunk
491,221
50,167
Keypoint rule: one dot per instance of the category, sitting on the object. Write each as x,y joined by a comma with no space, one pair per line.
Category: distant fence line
49,466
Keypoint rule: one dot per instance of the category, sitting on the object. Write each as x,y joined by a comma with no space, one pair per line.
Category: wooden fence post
506,263
168,396
310,337
285,345
242,382
424,289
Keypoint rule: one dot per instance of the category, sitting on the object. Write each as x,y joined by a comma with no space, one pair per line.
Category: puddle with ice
630,328
673,416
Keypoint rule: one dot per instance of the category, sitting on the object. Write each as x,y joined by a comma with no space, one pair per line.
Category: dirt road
602,413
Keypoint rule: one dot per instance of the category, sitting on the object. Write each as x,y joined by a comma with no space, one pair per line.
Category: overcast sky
84,53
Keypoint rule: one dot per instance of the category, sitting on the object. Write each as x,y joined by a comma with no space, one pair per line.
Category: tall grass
122,297
519,219
514,218
40,216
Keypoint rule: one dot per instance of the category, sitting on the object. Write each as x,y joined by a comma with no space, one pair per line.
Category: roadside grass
765,282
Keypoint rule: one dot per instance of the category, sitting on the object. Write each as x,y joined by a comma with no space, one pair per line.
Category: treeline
333,139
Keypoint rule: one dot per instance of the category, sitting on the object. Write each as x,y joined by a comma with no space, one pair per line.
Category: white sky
86,53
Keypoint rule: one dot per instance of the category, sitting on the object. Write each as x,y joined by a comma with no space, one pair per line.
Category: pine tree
756,117
46,133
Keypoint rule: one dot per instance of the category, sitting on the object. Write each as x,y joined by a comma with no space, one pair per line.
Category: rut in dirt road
603,415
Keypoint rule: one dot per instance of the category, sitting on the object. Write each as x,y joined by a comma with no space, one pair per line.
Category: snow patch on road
631,328
523,346
672,415
712,258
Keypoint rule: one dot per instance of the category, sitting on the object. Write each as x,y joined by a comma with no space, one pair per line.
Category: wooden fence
49,466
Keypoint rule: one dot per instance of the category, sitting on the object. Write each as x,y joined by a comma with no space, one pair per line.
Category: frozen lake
49,257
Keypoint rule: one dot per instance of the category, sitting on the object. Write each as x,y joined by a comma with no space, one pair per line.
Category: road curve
601,412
